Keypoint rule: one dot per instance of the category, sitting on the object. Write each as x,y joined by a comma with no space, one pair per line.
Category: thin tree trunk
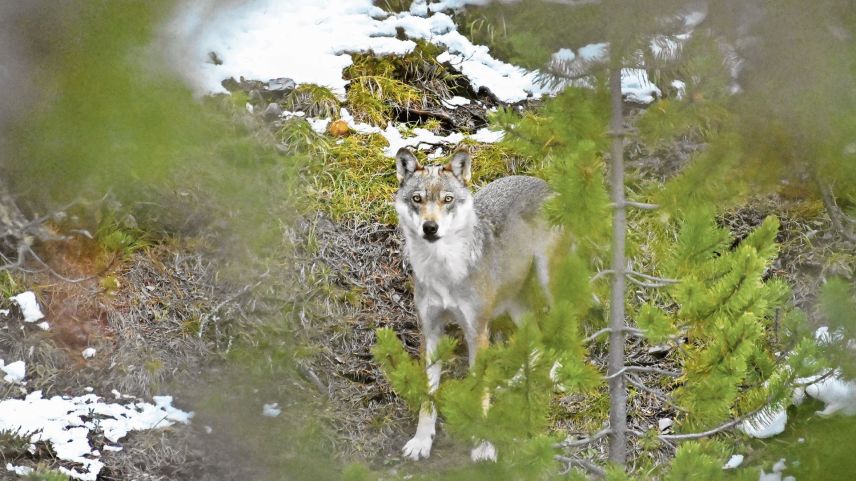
617,389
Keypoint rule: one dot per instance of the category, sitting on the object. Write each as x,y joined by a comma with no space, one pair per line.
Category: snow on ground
311,42
67,422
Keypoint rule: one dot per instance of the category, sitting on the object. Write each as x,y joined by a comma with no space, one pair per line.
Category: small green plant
44,474
119,237
14,444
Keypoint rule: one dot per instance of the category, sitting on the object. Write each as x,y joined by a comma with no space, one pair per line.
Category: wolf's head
433,201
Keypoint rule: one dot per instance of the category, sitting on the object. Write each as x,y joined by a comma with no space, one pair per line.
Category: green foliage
723,291
113,117
656,323
406,375
581,203
573,116
702,462
120,238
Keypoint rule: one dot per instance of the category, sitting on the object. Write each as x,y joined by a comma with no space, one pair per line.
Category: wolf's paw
418,448
485,451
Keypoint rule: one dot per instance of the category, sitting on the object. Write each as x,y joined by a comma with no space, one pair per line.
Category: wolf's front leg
419,447
478,339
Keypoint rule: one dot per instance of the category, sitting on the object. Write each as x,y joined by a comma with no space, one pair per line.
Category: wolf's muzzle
430,229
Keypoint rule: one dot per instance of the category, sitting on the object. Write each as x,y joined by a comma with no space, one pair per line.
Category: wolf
471,255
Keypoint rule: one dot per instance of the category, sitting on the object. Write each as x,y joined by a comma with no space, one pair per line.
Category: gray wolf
471,256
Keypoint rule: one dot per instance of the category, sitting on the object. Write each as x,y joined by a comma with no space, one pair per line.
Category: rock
231,85
283,85
664,424
272,112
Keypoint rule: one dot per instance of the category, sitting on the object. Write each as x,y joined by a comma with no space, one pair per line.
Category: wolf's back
515,196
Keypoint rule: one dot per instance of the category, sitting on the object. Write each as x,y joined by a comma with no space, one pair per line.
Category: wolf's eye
448,199
417,198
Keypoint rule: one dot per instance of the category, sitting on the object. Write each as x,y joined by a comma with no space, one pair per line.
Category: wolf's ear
461,166
405,164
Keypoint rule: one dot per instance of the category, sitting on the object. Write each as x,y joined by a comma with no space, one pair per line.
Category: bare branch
572,461
641,205
568,443
710,432
655,370
601,274
606,330
664,280
836,215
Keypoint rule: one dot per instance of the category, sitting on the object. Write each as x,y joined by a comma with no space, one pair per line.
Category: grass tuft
297,137
314,100
372,98
357,181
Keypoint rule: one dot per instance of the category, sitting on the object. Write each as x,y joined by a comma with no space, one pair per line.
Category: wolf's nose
430,227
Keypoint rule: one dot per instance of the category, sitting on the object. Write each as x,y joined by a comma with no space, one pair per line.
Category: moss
314,100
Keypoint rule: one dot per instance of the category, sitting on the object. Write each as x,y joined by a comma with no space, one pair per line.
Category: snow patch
764,425
29,306
733,462
15,372
19,470
271,410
